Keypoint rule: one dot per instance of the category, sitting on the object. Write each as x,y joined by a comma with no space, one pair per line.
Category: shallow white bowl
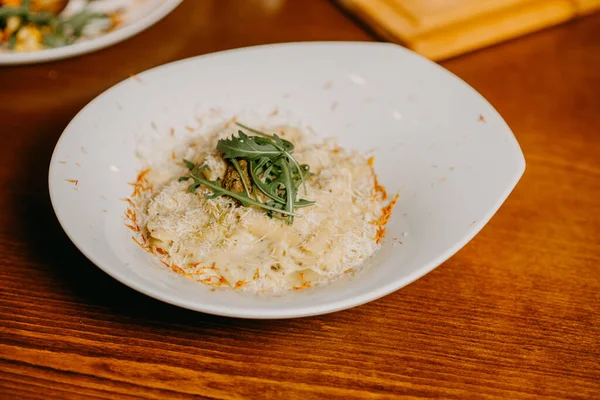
436,141
139,16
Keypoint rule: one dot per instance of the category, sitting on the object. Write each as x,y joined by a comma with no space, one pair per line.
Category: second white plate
139,16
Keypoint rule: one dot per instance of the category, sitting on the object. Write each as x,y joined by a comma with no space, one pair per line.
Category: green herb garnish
271,168
58,31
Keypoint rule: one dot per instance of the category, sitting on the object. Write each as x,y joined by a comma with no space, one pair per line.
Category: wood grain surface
514,315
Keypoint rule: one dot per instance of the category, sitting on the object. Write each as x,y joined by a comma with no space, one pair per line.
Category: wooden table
516,314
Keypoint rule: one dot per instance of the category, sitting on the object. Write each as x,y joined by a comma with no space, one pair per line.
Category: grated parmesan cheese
220,243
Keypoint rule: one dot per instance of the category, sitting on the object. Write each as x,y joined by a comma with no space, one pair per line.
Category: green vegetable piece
272,168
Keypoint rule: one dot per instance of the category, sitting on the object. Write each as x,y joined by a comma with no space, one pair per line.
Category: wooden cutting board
440,29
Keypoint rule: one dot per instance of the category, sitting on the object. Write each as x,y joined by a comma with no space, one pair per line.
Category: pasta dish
260,211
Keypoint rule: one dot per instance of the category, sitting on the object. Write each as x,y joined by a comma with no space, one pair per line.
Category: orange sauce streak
139,244
379,189
142,175
178,269
386,213
240,284
305,285
134,228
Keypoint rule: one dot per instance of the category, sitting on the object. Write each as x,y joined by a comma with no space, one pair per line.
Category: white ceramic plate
436,141
139,15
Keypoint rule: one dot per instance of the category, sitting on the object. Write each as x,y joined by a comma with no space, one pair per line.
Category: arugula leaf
41,18
245,147
6,12
80,20
272,168
218,190
270,189
189,164
287,145
290,189
12,41
303,203
56,40
282,146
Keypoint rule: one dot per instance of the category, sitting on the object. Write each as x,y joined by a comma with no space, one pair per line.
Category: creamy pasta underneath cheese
223,244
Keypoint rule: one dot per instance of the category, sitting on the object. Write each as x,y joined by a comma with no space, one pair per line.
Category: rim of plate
90,45
305,311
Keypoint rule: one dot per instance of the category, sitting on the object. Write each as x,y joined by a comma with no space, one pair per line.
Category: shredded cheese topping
220,243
